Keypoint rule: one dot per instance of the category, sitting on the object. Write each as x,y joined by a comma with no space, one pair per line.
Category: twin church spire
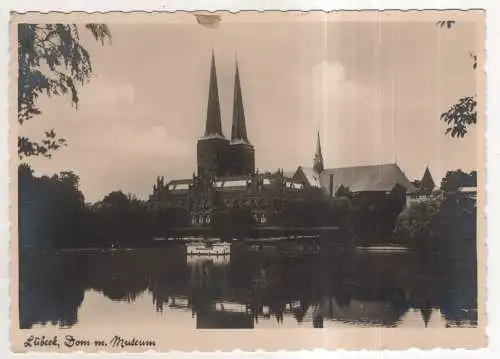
213,126
217,155
239,128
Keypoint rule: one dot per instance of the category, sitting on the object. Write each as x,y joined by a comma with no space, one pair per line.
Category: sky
374,90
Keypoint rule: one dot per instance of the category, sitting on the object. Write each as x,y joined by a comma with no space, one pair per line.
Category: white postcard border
493,140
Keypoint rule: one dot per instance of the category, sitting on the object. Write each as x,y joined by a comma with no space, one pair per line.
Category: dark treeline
52,211
53,214
439,225
446,221
454,180
53,286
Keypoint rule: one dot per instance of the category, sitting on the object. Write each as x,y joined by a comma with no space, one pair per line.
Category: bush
419,224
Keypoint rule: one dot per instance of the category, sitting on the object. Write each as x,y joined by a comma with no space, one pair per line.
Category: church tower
241,152
318,165
212,148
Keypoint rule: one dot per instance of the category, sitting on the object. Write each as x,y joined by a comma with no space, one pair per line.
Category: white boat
208,249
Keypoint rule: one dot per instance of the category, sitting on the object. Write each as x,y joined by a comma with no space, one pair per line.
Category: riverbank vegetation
53,214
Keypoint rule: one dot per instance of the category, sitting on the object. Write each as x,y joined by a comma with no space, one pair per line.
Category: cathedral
226,174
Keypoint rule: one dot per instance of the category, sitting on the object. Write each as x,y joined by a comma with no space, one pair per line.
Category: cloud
126,140
105,90
329,80
156,140
331,90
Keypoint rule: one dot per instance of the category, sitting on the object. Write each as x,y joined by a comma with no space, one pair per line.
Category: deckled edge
261,11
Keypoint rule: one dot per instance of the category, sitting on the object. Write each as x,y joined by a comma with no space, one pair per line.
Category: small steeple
427,183
318,165
239,129
214,125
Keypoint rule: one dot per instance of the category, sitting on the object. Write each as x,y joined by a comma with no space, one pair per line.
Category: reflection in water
245,289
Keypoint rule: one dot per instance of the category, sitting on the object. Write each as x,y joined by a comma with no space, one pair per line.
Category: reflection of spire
239,130
426,312
318,157
213,125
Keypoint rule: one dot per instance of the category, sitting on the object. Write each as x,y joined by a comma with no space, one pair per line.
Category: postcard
198,181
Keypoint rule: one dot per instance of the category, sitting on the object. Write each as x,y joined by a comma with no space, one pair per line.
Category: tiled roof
360,178
312,178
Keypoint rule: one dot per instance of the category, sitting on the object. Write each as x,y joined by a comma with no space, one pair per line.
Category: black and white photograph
199,172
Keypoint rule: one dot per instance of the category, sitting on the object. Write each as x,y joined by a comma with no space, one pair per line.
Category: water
164,287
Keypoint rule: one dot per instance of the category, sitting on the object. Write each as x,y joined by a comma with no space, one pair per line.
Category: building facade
227,176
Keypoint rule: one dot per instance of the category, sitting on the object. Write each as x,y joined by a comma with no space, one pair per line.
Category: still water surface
165,287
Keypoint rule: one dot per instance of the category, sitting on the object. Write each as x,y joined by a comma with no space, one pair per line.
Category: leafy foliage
52,61
460,116
463,114
447,226
418,224
27,148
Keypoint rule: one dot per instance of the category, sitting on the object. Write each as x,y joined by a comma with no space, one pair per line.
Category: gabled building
371,180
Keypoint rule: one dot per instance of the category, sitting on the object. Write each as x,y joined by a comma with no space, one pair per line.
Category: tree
51,210
460,116
52,61
463,114
121,219
418,225
455,179
116,199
